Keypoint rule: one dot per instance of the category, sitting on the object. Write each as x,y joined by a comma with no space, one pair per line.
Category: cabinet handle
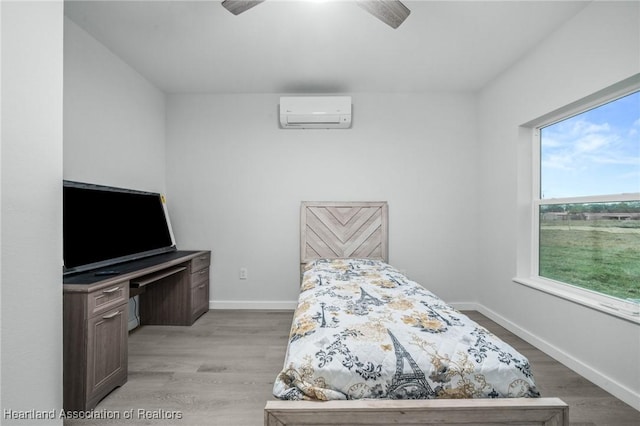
111,290
111,316
202,286
204,271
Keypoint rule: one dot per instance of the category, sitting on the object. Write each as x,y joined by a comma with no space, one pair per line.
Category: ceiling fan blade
391,12
238,6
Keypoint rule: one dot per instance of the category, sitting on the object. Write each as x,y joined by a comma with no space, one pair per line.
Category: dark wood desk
173,289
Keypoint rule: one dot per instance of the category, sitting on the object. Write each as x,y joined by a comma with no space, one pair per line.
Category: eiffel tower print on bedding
364,330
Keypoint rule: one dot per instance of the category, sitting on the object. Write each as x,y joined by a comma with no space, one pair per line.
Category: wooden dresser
173,289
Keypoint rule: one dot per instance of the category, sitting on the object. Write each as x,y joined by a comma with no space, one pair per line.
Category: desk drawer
102,300
199,277
200,262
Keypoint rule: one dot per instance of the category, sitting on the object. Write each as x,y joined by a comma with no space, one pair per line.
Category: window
587,203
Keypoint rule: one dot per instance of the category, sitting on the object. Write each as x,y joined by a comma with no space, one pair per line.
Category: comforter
364,330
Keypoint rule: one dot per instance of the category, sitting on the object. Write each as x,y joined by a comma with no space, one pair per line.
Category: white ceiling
311,47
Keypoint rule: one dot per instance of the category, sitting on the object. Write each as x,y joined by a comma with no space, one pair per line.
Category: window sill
629,312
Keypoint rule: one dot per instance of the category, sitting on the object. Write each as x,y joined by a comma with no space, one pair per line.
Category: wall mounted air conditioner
315,112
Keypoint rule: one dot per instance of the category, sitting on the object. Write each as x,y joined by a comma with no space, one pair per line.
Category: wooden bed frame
360,230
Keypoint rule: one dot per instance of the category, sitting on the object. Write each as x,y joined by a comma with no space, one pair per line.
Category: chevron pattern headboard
343,230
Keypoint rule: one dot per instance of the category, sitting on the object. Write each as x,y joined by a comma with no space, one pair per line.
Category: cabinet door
106,352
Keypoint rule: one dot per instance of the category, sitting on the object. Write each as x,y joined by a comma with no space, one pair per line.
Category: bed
369,346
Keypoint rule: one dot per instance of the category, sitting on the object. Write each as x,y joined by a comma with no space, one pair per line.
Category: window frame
528,269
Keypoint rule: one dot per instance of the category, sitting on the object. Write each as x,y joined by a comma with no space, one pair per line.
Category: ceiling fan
391,12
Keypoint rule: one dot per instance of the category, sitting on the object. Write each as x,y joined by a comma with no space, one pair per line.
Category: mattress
364,330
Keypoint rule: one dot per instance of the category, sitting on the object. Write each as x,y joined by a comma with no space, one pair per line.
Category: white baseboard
465,306
616,389
285,305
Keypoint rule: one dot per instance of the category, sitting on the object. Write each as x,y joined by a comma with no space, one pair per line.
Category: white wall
32,85
598,48
113,118
114,121
1,58
235,182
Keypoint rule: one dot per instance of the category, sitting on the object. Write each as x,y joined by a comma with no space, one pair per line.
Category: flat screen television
104,226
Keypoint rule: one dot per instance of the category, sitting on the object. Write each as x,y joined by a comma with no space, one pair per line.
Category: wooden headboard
343,230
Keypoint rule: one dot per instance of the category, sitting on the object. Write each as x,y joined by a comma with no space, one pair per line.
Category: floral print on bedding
363,330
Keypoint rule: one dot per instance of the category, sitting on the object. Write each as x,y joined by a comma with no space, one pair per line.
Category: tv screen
104,225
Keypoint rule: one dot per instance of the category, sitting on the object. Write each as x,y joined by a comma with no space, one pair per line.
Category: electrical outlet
244,274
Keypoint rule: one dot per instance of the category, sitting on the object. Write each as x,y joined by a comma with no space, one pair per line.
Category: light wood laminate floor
220,371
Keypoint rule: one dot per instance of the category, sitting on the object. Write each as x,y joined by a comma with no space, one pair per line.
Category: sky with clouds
593,153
